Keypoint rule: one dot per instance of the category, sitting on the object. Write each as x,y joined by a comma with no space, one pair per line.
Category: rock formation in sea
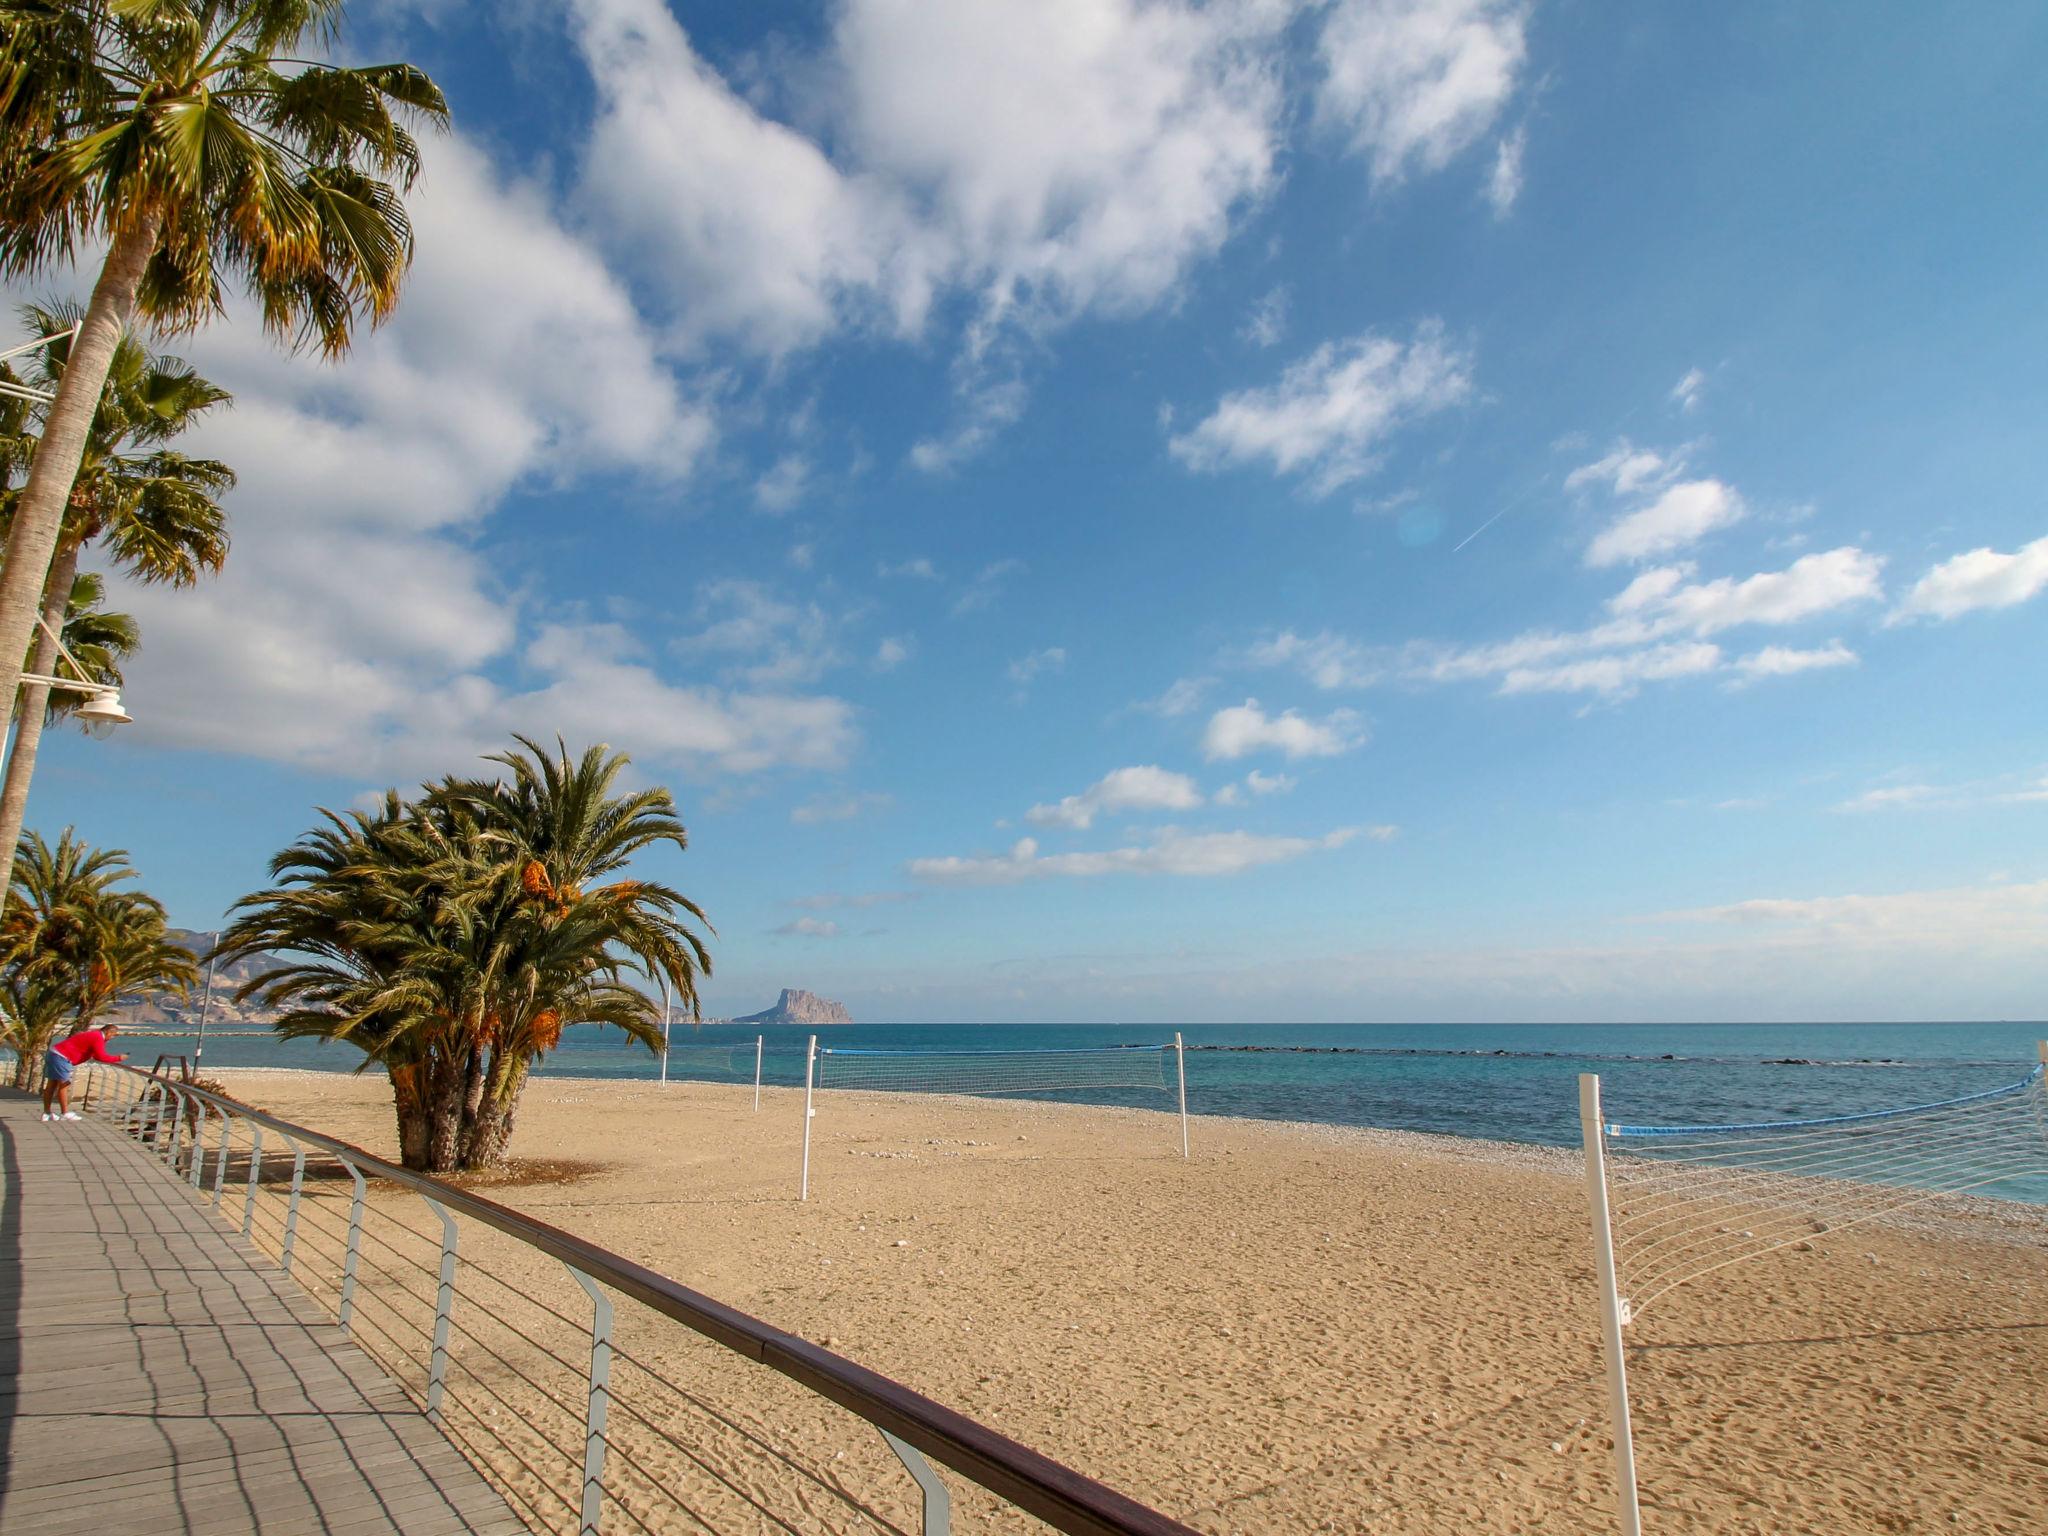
800,1007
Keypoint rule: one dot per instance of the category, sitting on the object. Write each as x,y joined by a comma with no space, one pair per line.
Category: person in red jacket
65,1057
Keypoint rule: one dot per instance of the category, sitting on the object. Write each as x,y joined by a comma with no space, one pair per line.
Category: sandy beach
1298,1329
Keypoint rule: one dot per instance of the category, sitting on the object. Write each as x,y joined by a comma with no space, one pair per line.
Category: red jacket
86,1045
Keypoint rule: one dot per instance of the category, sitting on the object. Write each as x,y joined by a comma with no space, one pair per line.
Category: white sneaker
48,1118
72,1114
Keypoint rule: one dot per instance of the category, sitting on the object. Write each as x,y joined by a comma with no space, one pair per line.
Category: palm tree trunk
409,1101
40,515
491,1136
444,1115
33,708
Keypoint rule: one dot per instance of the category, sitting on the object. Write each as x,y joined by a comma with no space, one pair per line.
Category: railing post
355,1246
1612,1314
938,1504
291,1210
177,1129
599,1407
444,1310
198,1168
255,1176
220,1165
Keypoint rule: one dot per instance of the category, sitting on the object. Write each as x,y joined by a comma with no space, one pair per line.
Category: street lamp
102,706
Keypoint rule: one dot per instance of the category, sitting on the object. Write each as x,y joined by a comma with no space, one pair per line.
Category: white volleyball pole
664,1028
1180,1057
757,1072
810,1073
1612,1313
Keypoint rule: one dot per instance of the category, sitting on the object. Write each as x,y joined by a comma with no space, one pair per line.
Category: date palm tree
155,512
196,143
74,940
451,939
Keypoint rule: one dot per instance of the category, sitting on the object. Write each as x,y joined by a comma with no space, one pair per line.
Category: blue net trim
1797,1125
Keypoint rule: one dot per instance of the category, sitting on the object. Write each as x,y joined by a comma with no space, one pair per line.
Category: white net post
1612,1317
810,1079
1180,1062
758,1041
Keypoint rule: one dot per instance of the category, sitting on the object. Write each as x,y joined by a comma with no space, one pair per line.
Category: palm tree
73,941
99,640
192,140
451,939
154,511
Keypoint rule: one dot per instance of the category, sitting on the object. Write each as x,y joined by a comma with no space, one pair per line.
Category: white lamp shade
104,709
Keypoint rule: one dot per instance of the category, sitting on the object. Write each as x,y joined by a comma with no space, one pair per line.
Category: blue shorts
57,1068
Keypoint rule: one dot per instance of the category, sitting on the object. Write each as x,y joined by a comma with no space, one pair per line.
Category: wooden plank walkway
158,1375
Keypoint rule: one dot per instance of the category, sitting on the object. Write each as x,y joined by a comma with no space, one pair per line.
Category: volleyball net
1674,1203
1055,1072
734,1062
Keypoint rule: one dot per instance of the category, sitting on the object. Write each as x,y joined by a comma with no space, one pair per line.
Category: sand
1299,1329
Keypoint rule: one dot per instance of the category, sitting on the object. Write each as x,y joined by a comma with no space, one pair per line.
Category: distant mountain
224,1012
800,1007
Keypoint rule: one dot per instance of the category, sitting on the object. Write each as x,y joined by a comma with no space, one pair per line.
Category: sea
1506,1082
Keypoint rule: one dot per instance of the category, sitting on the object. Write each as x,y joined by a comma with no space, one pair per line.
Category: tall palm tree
73,941
192,139
154,511
451,939
97,638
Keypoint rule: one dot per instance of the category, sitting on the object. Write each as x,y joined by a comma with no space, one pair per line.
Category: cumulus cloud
1329,413
985,586
1626,469
1172,852
920,568
1412,83
759,637
1892,797
1183,696
1326,659
1267,322
1026,670
1980,578
1685,394
1268,783
1665,599
1145,788
1246,728
783,485
1681,515
891,652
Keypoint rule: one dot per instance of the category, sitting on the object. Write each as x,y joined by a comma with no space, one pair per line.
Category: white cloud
1626,469
783,485
892,652
1144,788
1981,578
832,900
1412,83
920,568
1970,916
1615,676
1504,185
989,406
1813,584
1685,394
986,586
1025,670
809,928
1891,798
827,808
1183,696
1328,660
1683,514
1246,728
353,625
1786,661
771,640
1173,852
1268,783
1267,322
1329,413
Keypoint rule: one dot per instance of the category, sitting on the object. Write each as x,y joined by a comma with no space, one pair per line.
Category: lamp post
205,1002
664,1028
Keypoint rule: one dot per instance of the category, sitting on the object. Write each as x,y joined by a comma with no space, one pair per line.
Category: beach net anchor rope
1674,1203
993,1073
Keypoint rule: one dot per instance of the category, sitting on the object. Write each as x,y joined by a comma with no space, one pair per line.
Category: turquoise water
1514,1082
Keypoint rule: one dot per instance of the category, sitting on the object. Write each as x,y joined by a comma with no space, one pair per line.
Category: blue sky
1383,509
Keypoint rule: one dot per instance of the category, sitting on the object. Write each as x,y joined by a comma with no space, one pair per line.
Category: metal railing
611,1421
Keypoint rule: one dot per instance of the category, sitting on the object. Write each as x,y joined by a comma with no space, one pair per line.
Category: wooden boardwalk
157,1375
